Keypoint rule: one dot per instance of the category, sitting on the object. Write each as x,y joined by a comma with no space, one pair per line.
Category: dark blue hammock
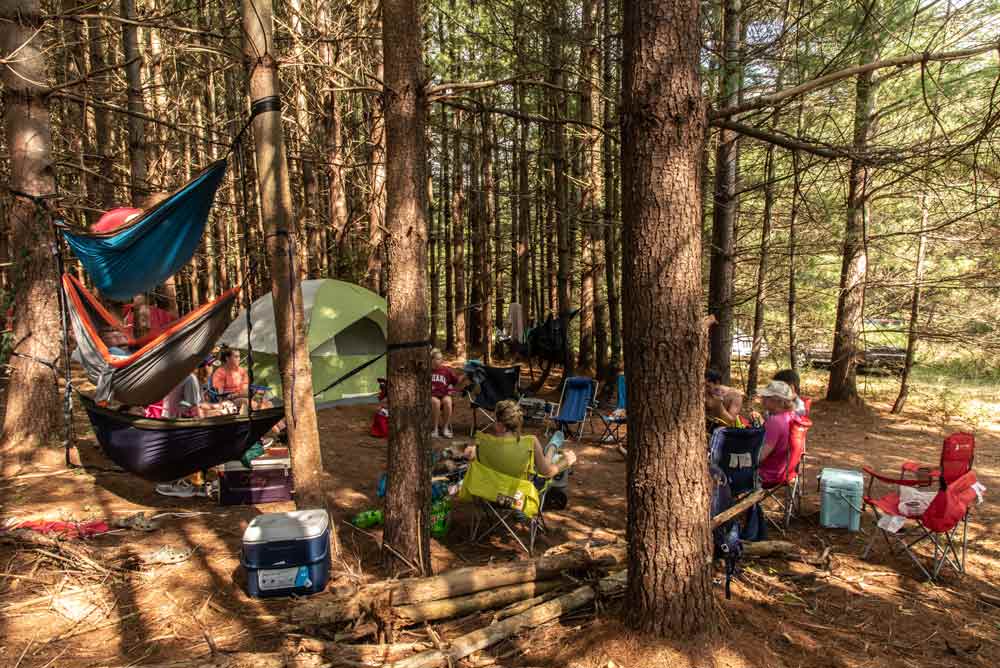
163,450
143,253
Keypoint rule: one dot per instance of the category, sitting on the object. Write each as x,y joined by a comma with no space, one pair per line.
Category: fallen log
464,605
738,507
465,645
342,652
453,584
770,548
520,606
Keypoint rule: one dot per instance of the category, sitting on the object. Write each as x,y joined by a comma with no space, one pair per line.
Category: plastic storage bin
287,554
268,479
841,493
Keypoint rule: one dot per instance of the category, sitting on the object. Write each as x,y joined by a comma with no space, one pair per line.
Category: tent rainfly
346,326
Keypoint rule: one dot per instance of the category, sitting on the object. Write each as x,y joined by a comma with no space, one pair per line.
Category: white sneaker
182,488
434,434
447,433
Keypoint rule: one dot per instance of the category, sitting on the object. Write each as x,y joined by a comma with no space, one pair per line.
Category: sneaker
434,434
447,432
182,488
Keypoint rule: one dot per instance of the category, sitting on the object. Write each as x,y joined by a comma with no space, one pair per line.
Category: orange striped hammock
159,362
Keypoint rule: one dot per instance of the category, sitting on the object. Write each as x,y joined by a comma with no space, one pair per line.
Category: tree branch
822,82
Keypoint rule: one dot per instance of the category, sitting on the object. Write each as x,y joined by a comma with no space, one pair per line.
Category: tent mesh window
363,337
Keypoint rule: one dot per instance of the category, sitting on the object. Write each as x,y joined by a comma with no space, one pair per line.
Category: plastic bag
913,502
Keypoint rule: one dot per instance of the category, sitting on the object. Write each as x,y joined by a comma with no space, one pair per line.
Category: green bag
481,482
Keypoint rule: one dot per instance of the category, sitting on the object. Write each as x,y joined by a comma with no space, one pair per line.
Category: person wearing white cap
779,402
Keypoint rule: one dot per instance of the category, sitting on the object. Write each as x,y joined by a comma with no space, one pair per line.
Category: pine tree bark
433,234
753,368
913,332
722,262
333,140
276,209
406,539
610,235
138,185
524,211
793,215
486,253
376,205
590,186
843,384
449,294
663,124
100,186
458,239
33,417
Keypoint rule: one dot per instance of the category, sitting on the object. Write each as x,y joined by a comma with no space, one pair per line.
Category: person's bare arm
544,466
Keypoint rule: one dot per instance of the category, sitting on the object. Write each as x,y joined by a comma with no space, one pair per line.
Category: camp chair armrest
895,481
916,467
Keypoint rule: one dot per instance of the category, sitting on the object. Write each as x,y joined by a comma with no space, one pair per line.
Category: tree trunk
793,353
435,276
590,276
276,209
524,252
913,333
138,186
406,539
32,415
610,235
458,239
337,198
100,184
663,125
722,264
449,295
486,265
853,273
761,292
307,227
376,205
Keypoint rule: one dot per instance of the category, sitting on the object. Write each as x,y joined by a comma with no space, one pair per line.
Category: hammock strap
349,374
257,107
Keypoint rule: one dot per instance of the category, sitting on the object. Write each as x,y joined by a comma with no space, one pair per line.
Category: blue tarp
145,252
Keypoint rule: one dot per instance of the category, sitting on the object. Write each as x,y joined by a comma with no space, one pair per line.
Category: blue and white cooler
286,554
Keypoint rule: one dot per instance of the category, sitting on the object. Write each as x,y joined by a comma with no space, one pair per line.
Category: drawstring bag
380,424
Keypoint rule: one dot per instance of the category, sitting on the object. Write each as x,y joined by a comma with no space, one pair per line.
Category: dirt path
865,614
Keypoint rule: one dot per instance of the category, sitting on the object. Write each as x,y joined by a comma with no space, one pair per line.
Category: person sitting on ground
779,402
509,422
444,382
791,377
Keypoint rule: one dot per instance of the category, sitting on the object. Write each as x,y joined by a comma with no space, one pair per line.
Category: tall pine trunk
762,265
591,323
406,540
485,227
913,332
458,239
138,186
32,415
449,294
663,124
276,210
793,215
376,204
722,263
610,233
854,268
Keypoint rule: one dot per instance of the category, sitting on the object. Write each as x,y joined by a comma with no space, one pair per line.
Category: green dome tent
346,326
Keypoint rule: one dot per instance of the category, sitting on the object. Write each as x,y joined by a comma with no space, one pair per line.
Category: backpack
380,424
726,542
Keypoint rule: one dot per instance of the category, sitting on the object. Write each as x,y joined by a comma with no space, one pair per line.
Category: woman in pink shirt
779,402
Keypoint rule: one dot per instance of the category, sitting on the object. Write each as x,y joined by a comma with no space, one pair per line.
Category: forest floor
860,613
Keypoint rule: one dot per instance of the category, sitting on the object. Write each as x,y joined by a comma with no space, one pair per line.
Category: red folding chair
947,511
791,504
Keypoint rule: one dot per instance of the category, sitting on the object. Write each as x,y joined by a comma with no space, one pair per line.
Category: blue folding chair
575,406
737,453
614,421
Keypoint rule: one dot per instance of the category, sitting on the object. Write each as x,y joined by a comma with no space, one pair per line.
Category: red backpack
380,424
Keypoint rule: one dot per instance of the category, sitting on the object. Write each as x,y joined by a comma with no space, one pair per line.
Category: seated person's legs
436,413
446,408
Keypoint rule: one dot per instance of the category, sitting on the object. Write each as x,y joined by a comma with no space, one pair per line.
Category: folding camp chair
495,384
791,501
736,452
501,482
614,421
906,527
575,406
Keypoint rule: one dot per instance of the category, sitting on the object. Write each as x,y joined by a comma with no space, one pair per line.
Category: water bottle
368,519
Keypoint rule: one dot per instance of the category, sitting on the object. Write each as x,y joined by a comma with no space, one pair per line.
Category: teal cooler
841,497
